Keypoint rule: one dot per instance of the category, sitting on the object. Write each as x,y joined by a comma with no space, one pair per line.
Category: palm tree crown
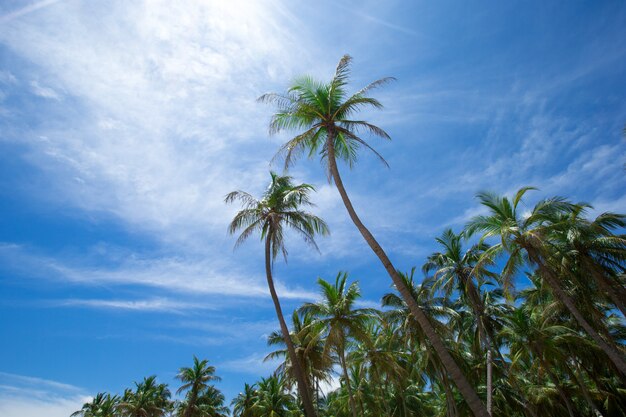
279,206
324,111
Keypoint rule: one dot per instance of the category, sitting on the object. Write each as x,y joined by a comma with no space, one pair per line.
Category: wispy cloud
199,277
45,92
26,396
150,305
26,10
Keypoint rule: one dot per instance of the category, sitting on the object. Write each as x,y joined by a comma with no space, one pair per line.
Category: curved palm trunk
302,385
342,358
612,352
470,396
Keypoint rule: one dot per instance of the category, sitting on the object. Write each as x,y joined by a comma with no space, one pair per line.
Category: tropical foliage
495,307
519,313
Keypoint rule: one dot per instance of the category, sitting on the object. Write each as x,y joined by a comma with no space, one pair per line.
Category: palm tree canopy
196,376
317,109
279,206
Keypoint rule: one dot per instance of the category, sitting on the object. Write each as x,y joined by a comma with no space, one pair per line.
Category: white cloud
182,275
154,304
169,105
45,92
25,396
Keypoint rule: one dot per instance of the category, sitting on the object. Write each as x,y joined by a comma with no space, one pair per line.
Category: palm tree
531,236
309,349
272,399
102,405
456,270
208,403
324,112
148,400
195,380
278,209
243,403
596,253
341,321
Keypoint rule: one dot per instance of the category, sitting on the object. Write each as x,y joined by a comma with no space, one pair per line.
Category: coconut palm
149,399
194,381
273,399
309,349
456,271
279,208
340,320
322,113
531,236
102,405
209,402
243,403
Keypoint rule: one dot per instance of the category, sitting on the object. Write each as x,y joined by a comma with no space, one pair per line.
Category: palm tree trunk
301,381
342,358
472,399
612,352
489,384
192,401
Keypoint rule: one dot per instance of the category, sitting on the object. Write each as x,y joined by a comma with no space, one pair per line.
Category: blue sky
124,124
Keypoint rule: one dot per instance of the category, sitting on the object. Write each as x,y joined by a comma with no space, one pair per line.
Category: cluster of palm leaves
542,335
495,295
151,399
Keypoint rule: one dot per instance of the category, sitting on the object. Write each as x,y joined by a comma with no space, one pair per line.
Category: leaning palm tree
324,112
195,380
279,208
341,321
531,237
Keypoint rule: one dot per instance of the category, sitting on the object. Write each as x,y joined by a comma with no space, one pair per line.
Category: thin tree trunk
489,384
472,399
342,358
295,364
613,354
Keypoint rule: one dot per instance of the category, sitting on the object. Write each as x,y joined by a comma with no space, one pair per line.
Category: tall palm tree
102,405
532,236
324,111
195,380
279,208
341,321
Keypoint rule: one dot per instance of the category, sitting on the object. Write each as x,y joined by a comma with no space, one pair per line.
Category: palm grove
521,313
